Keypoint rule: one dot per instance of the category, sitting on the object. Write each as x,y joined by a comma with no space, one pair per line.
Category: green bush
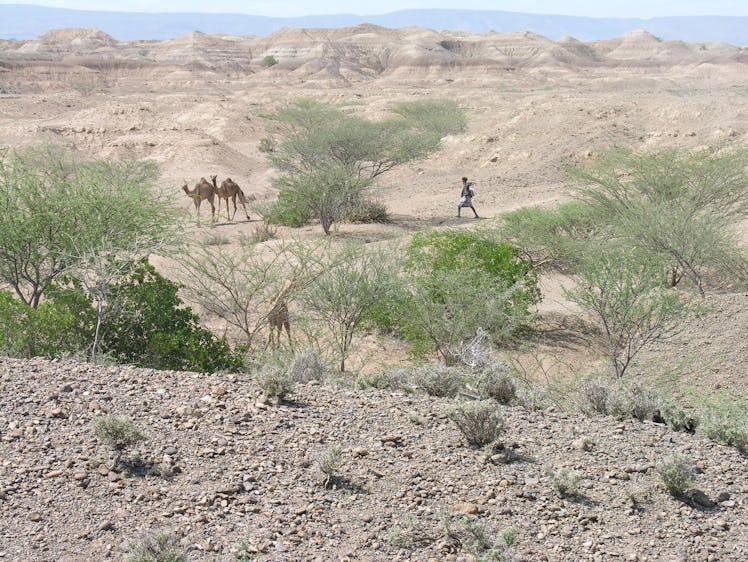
439,380
725,420
676,474
460,285
287,210
480,422
159,547
268,61
676,417
367,212
439,250
118,433
50,330
564,480
275,384
150,328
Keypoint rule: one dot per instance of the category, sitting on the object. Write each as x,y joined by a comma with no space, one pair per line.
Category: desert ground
535,107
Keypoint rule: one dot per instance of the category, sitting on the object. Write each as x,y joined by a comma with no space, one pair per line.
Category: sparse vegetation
263,233
479,421
676,474
498,385
677,417
475,538
158,547
307,366
461,302
564,480
245,551
439,380
268,61
328,462
117,433
275,383
638,496
725,420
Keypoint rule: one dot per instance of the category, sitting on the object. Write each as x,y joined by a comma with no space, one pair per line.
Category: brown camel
202,190
278,317
229,189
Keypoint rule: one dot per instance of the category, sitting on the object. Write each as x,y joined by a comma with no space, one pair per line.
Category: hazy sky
290,8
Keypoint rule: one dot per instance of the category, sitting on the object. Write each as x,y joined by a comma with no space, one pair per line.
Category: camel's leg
245,209
212,209
233,199
197,210
243,201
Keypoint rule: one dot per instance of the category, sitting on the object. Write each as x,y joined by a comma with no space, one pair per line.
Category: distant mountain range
21,21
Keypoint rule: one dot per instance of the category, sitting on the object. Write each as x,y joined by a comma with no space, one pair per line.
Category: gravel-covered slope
247,471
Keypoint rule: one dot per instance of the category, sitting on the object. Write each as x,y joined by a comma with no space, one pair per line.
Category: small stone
359,452
103,469
54,473
35,516
171,451
80,475
696,496
66,388
465,508
641,468
106,526
723,497
582,444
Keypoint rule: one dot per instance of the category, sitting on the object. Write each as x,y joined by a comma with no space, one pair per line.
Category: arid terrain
246,471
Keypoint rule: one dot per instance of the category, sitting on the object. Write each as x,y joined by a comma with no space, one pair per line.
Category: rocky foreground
230,476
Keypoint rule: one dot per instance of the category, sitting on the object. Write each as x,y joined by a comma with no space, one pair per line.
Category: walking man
466,197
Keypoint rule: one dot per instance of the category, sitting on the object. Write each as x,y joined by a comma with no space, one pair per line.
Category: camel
203,190
229,189
278,317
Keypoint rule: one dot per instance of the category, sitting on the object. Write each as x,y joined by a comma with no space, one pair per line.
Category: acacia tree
351,283
627,294
239,286
682,205
328,157
57,209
